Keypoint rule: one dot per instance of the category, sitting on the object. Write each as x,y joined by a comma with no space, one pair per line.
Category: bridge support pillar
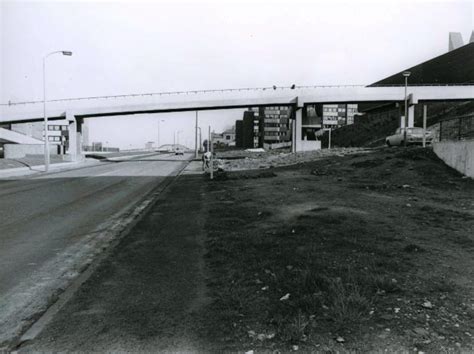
298,122
411,116
75,137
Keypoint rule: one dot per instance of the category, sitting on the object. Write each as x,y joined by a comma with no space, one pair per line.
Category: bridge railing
410,85
229,90
191,92
457,128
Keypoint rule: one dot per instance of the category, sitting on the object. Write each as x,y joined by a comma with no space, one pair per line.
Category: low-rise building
226,138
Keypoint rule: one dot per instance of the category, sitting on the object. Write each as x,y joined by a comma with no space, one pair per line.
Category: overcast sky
137,47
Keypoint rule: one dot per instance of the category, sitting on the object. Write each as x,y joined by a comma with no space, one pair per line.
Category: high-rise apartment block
264,125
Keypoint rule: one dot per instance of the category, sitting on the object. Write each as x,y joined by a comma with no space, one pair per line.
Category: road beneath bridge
53,225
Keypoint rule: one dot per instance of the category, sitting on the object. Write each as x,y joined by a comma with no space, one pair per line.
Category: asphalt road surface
52,225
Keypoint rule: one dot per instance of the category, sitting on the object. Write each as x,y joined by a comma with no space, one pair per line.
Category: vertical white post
402,122
411,116
298,127
211,150
293,135
424,124
72,137
196,151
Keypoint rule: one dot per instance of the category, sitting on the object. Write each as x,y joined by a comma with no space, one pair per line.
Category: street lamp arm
49,54
64,52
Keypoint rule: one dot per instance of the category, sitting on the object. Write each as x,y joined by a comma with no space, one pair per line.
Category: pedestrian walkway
27,161
29,170
193,168
33,164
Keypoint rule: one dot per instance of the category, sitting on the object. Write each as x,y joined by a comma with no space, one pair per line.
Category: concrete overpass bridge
76,109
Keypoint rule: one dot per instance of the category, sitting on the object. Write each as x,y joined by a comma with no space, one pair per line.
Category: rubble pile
246,160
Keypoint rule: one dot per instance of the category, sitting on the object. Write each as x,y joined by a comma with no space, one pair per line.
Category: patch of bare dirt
352,252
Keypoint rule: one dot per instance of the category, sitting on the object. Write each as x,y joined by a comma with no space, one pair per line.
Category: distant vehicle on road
414,136
179,152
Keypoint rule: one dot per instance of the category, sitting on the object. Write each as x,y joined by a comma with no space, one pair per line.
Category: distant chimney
455,40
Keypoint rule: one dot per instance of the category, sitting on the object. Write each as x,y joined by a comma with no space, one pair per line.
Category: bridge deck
224,99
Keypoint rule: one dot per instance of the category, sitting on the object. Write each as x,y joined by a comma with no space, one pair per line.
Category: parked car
179,152
414,136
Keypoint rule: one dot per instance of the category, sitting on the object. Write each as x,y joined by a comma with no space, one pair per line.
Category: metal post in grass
424,124
406,74
210,148
196,150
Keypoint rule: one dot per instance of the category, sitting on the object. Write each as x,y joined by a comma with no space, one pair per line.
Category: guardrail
457,128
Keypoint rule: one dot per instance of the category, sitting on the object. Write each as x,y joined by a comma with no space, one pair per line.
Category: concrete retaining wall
309,145
16,151
457,154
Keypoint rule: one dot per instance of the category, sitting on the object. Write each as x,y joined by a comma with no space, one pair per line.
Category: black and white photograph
236,176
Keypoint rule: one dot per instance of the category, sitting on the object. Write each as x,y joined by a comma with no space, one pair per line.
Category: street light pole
406,74
200,138
46,135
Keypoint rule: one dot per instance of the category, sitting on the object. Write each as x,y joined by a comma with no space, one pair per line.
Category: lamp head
66,52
